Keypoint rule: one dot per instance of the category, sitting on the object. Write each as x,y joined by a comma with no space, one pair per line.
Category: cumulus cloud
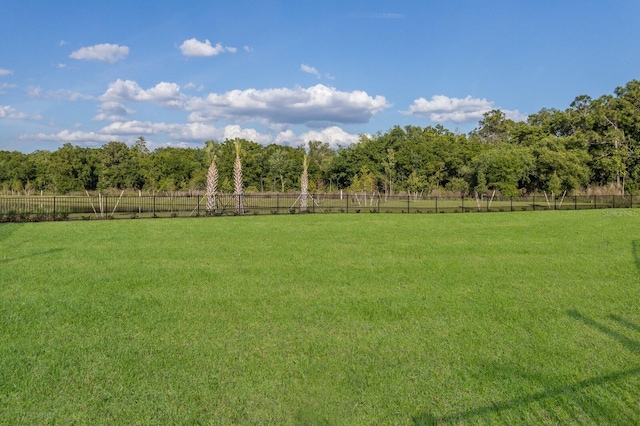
134,127
4,72
334,136
309,70
166,94
192,133
316,106
105,52
291,106
195,47
443,108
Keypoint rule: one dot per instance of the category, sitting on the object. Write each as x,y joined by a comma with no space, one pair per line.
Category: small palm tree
212,187
237,179
304,185
212,178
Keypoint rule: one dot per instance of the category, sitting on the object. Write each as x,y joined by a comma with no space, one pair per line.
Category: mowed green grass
529,317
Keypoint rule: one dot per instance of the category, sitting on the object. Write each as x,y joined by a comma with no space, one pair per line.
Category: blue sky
276,71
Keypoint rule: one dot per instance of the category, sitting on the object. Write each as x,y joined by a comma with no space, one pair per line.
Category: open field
530,317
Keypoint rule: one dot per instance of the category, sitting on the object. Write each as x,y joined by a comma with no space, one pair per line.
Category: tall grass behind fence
43,208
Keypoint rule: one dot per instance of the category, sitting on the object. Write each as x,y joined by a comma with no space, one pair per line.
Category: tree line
592,143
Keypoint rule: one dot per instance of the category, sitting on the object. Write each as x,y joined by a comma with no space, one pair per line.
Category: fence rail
43,208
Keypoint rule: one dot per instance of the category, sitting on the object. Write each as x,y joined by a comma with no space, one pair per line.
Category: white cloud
5,111
443,108
316,104
130,128
515,115
67,136
248,49
112,111
166,94
192,133
194,47
333,135
7,86
101,52
124,90
192,86
309,70
4,72
9,112
61,94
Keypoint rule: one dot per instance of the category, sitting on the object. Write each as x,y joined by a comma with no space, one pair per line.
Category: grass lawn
528,317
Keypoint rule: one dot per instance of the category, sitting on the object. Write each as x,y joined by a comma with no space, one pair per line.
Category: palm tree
237,179
304,185
212,187
212,178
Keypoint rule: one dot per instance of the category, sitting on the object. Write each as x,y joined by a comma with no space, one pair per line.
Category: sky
291,71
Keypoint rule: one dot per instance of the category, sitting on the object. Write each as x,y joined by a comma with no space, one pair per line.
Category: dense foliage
594,142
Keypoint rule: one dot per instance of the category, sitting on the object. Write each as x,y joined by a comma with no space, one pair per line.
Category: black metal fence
43,208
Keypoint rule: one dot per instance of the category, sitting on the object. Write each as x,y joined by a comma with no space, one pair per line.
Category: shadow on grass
577,391
30,255
628,324
632,345
6,229
635,249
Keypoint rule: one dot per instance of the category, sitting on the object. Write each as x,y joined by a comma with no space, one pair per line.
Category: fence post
613,201
555,205
462,197
595,202
408,202
347,203
154,205
575,202
436,204
631,201
54,207
511,203
534,202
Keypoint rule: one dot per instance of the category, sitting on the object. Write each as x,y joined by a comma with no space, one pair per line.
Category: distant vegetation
593,143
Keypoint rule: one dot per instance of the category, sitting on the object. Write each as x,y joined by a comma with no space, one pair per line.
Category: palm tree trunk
212,189
304,187
237,179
